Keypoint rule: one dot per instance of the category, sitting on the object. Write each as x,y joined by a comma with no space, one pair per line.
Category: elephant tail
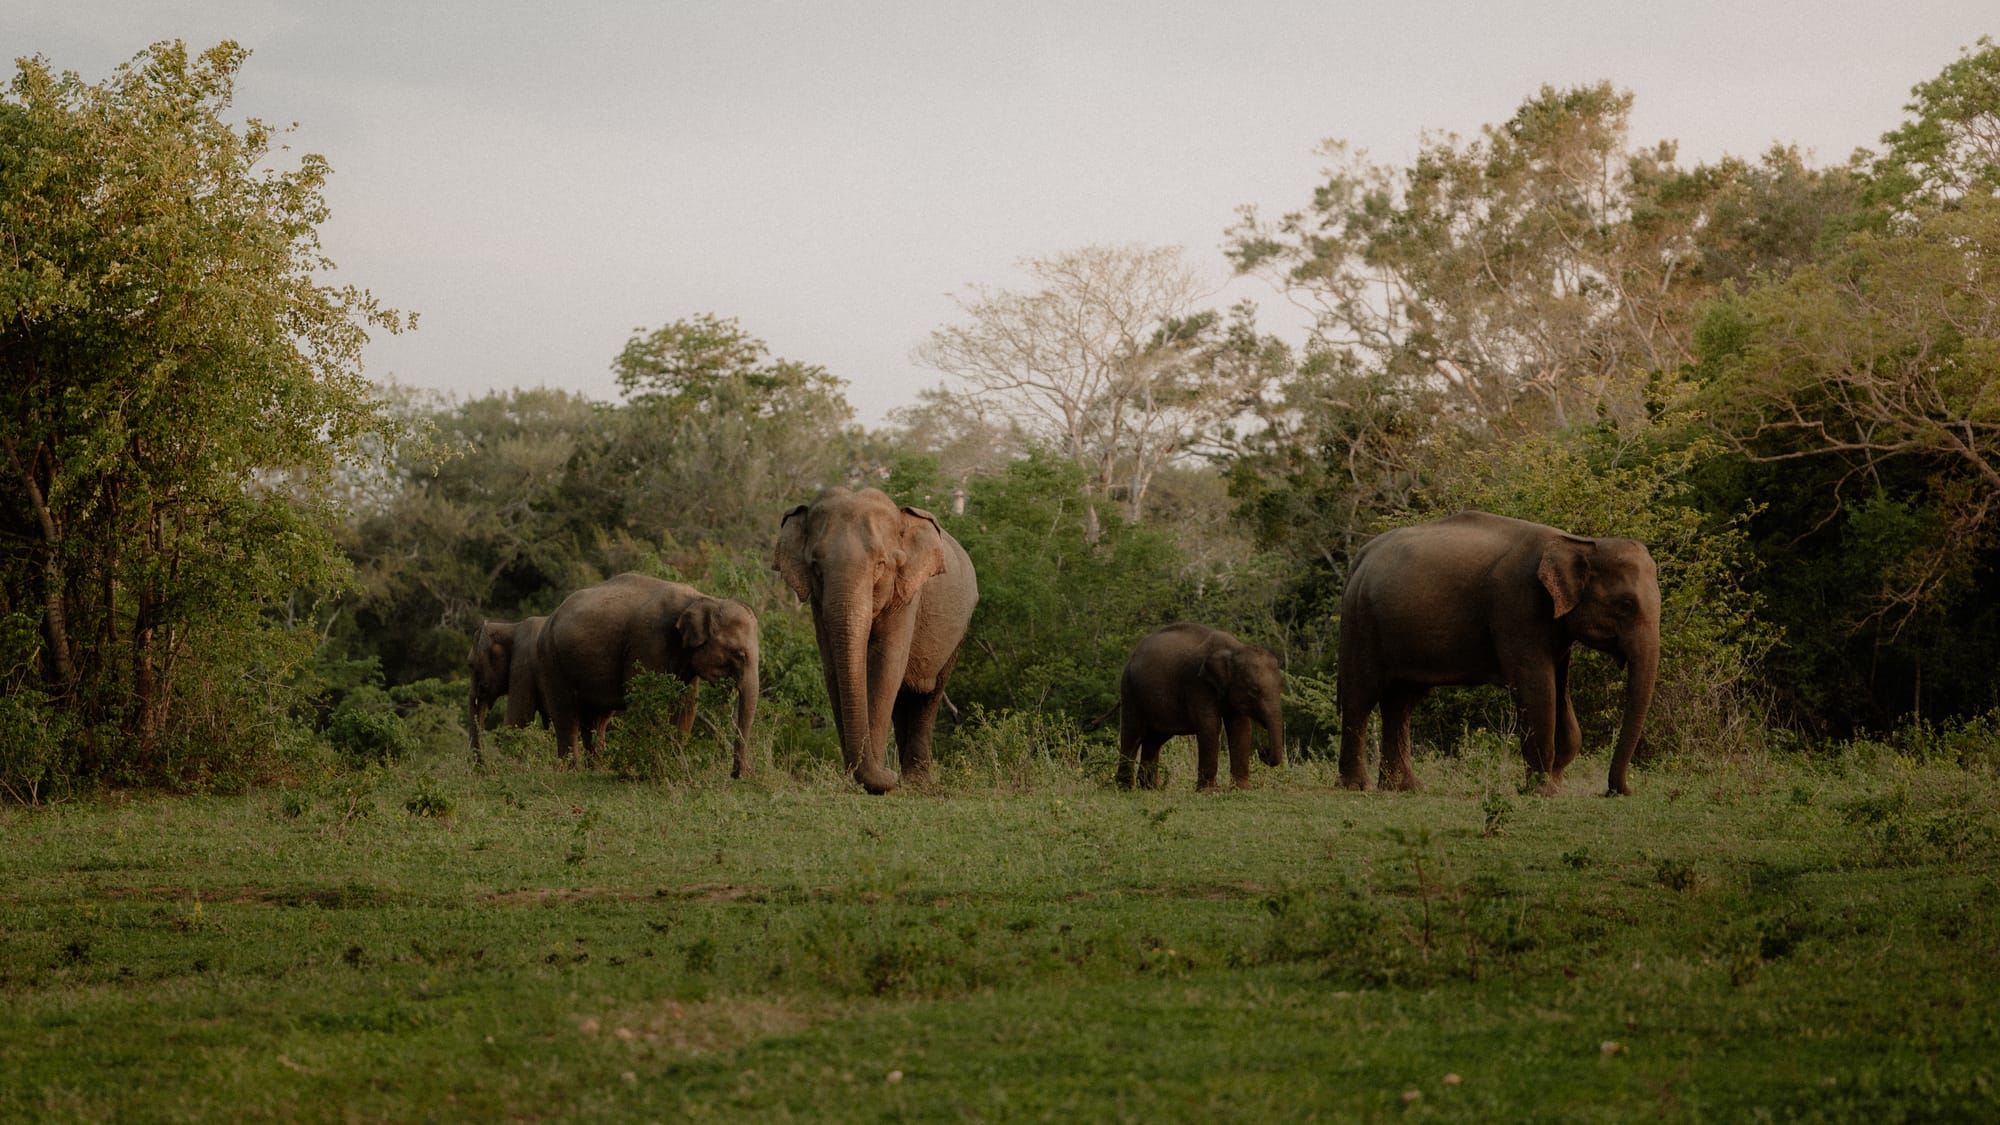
1099,721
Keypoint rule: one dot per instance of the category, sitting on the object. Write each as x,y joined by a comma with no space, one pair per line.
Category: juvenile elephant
891,595
601,635
502,662
1191,679
1483,599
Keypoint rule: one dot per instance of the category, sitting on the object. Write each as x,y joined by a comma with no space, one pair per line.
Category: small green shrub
365,733
1021,751
643,742
37,759
430,799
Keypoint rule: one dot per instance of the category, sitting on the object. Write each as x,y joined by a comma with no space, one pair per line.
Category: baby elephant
1191,679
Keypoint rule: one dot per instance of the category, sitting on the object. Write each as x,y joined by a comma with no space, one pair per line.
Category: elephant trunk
1274,725
746,714
1641,674
848,658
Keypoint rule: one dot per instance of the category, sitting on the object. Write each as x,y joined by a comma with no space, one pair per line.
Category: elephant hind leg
1149,760
1398,704
1238,729
1128,746
1355,706
1569,737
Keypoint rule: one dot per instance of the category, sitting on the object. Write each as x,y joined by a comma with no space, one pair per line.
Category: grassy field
1799,941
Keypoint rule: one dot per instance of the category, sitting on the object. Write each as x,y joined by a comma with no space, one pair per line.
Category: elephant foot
1358,784
876,781
918,776
1541,784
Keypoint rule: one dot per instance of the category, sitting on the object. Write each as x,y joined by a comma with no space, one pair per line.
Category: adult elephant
601,635
891,595
1477,598
1191,679
502,662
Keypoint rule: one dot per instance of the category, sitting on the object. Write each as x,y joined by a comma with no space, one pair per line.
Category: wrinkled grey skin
1483,599
891,596
502,662
1191,679
601,635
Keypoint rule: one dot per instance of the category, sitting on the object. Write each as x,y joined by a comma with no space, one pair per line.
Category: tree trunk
58,666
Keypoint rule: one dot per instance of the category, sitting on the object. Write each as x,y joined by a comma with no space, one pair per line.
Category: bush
643,742
37,756
365,730
1021,751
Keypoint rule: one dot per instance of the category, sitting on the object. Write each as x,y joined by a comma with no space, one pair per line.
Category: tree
1891,351
175,383
475,522
1107,362
718,439
1950,147
1058,609
1858,395
1529,278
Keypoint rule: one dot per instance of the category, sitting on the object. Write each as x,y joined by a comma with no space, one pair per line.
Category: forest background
227,558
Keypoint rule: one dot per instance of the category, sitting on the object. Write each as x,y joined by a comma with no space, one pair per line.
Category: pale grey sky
537,180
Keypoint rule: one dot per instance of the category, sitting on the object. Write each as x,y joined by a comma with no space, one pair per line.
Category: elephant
892,595
502,662
1191,679
601,635
1476,598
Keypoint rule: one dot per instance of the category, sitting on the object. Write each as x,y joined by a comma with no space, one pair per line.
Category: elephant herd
1472,598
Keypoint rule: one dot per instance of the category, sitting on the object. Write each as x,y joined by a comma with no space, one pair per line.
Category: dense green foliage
427,941
226,559
1780,377
177,387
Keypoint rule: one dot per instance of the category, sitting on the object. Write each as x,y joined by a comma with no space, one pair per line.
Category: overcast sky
538,180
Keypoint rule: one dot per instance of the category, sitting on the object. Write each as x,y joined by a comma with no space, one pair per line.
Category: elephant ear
1218,669
1565,571
696,622
789,560
922,551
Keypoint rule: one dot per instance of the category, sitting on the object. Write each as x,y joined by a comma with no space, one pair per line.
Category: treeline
1784,378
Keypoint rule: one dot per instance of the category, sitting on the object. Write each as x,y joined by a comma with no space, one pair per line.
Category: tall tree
1107,361
176,383
1529,278
719,437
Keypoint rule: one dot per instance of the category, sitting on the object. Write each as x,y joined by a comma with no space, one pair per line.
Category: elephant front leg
1208,756
915,717
685,709
1239,751
1539,715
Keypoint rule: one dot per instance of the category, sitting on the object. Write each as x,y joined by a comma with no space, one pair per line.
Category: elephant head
1250,681
861,562
1606,593
491,663
720,638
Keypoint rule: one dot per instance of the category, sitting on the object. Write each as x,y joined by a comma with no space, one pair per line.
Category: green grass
1796,941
